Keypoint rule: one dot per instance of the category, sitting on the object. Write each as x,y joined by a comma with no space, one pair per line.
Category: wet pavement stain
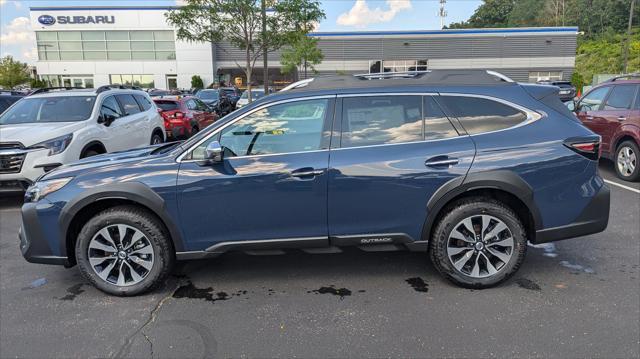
190,291
527,284
342,292
73,291
418,284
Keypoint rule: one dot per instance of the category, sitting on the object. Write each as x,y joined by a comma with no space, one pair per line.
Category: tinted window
436,125
479,115
49,109
621,98
381,119
143,102
191,105
110,107
167,105
200,105
637,106
593,100
290,127
129,105
208,95
255,94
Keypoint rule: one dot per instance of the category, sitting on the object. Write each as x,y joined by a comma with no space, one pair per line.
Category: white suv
51,128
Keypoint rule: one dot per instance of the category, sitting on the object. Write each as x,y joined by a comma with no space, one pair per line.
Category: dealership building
94,46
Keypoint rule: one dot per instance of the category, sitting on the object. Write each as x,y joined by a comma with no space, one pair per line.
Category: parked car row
612,110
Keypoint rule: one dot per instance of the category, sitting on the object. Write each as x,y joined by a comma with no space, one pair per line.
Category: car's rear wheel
478,243
124,251
156,138
626,161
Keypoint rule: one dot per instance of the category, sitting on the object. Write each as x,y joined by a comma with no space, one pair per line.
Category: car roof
85,92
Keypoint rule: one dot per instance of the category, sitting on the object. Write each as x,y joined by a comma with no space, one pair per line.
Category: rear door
616,111
133,122
115,134
391,155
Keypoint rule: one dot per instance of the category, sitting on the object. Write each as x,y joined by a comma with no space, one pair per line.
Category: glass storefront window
94,46
144,81
69,36
141,35
92,35
47,36
70,46
165,55
143,55
163,35
70,55
165,46
119,55
142,45
118,46
95,55
117,35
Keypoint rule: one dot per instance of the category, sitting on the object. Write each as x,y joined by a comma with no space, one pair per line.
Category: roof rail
298,84
117,86
386,75
49,89
625,76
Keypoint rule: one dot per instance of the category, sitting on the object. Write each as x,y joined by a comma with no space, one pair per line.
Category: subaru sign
47,20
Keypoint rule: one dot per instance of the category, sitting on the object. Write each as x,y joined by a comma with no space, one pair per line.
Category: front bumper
593,219
33,244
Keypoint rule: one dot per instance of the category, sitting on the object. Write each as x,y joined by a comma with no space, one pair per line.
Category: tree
240,23
196,82
12,72
302,52
492,13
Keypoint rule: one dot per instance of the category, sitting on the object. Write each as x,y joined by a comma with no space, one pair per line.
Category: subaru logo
46,20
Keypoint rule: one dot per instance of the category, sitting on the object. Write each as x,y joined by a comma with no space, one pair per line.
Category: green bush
196,82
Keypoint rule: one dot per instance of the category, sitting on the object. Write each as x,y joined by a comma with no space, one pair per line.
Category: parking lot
579,297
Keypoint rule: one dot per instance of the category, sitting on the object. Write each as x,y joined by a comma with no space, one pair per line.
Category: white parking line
623,186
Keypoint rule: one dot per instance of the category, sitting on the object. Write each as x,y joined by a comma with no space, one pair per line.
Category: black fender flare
504,180
131,191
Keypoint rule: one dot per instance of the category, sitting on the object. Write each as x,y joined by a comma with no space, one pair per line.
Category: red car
184,116
612,110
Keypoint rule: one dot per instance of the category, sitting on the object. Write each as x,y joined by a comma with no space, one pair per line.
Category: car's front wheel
626,159
478,243
124,251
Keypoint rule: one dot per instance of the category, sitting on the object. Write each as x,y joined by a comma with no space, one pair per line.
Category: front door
616,111
589,109
172,82
394,153
271,184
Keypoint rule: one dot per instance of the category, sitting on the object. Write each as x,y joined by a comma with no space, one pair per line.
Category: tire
153,262
156,139
444,251
626,161
89,153
194,130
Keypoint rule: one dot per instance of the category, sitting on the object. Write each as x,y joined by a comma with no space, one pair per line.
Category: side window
143,102
479,115
593,100
379,120
110,107
289,127
436,125
621,98
200,105
129,104
637,106
191,105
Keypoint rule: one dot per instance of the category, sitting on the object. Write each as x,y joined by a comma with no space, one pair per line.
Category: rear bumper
593,219
33,244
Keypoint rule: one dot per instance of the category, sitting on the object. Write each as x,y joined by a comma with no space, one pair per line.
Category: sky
17,38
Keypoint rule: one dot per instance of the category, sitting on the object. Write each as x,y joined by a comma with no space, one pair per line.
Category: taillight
588,147
178,115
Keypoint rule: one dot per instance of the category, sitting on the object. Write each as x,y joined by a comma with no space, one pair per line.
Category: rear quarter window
479,115
143,101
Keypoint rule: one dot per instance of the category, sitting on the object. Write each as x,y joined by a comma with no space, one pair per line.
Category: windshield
255,94
208,95
49,109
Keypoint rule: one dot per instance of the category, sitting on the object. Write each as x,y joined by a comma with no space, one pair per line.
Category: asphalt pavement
573,298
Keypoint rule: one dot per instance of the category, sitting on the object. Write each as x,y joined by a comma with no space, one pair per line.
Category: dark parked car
217,100
184,116
232,93
467,165
7,98
567,90
612,110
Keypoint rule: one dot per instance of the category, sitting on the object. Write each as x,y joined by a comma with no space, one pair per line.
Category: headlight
42,188
56,145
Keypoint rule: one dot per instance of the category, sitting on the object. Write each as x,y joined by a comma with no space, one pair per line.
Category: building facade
93,46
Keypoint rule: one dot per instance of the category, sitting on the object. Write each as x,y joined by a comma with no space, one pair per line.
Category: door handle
306,172
442,161
589,118
621,118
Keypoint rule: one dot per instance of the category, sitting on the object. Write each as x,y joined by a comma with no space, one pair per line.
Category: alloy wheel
480,246
627,161
121,255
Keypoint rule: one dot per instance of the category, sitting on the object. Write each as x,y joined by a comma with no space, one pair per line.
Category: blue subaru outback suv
464,165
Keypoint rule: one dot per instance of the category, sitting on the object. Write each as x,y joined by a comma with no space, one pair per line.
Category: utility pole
265,60
626,45
442,13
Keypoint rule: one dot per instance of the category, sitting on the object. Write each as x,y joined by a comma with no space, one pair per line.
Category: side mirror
160,110
571,105
213,152
106,119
